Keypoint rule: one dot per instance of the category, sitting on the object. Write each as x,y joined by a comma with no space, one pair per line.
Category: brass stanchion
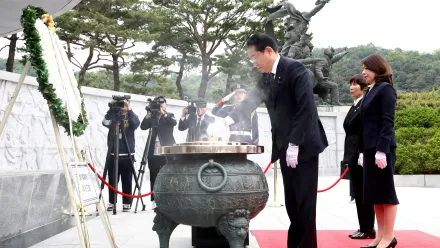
275,203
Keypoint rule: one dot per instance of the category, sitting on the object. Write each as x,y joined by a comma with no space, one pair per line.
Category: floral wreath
33,47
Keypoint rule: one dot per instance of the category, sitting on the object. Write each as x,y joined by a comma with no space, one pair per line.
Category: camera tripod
154,121
118,133
192,128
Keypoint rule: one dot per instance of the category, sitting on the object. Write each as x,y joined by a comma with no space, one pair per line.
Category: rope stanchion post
275,203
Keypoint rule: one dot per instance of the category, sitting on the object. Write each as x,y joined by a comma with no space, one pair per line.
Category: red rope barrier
267,168
150,193
115,190
333,185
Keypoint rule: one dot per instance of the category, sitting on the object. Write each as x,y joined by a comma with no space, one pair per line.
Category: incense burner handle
212,164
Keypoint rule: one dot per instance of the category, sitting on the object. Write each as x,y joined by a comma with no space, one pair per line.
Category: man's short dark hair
261,41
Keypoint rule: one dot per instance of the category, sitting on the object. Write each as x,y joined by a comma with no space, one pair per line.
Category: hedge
417,126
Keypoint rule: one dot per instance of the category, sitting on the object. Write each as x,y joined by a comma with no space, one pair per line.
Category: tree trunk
69,51
11,55
116,72
85,67
180,75
205,77
228,83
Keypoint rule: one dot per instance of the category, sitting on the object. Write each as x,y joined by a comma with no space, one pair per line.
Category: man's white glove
292,156
228,121
381,160
228,97
361,159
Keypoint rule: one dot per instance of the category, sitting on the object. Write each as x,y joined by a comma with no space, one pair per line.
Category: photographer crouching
162,126
120,112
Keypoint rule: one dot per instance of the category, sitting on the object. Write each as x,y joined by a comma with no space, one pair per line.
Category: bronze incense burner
209,183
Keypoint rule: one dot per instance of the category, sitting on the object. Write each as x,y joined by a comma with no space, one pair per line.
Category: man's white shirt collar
275,65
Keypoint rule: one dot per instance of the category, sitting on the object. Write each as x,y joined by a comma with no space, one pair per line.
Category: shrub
417,126
412,135
422,99
417,117
419,157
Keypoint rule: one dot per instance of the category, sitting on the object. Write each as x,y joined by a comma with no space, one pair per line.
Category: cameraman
201,124
129,122
162,135
245,130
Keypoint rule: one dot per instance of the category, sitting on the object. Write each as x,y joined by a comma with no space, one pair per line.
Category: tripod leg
115,165
132,164
104,176
141,171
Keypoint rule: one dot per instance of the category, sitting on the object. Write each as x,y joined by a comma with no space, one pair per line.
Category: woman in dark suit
379,147
353,138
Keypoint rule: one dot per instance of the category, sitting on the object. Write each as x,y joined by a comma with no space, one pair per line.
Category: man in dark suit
201,124
161,135
297,133
353,138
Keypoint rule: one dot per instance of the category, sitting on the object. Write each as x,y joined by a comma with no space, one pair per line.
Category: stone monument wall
32,186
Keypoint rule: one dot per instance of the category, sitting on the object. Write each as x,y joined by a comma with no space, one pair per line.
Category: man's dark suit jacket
353,136
378,110
183,125
165,129
291,106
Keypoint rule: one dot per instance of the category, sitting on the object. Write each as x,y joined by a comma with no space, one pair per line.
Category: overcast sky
409,25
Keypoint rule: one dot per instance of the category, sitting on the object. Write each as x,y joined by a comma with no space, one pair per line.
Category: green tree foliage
80,33
172,36
113,27
208,23
161,86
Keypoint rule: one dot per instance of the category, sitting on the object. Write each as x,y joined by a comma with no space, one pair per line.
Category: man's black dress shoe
356,232
364,235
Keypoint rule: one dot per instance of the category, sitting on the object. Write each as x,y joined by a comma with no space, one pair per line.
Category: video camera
118,101
154,105
194,105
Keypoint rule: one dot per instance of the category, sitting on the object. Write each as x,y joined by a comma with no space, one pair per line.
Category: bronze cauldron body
209,185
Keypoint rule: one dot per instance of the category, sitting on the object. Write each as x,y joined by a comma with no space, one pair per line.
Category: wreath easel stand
59,115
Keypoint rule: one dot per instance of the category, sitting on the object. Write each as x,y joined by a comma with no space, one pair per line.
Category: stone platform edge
428,181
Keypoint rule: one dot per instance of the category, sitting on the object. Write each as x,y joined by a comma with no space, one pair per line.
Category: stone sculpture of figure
320,70
295,24
298,45
301,49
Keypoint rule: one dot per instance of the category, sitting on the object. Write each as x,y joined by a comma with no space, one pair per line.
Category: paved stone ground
418,210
